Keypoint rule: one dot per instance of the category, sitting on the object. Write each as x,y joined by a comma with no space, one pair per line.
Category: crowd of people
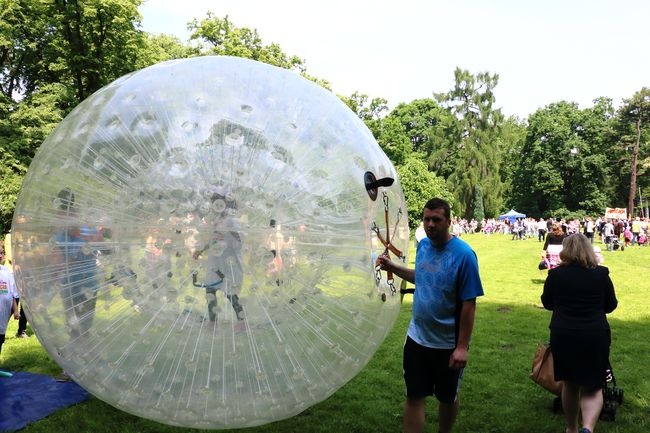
627,231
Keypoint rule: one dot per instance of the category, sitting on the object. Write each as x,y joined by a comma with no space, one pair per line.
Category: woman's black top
579,297
553,239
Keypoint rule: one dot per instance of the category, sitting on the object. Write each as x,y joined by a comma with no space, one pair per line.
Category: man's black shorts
427,372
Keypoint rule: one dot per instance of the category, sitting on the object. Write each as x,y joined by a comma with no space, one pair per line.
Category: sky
544,51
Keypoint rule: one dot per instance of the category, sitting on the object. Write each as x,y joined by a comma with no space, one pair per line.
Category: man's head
438,203
436,218
65,202
66,198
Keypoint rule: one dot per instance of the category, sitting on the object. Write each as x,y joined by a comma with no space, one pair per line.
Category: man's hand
383,262
458,358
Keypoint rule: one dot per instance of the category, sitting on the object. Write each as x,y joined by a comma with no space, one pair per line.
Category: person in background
580,293
447,283
8,306
589,229
419,235
6,261
608,234
553,245
75,264
541,230
635,229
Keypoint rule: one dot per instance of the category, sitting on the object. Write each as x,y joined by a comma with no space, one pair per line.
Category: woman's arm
610,300
547,295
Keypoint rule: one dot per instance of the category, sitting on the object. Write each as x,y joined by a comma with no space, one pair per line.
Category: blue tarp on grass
28,397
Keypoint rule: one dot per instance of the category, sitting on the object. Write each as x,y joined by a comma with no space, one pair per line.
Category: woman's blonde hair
557,229
578,249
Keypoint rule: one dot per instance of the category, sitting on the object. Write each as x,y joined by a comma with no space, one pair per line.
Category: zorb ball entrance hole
195,243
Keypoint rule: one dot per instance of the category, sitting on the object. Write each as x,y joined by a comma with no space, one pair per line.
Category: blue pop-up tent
512,215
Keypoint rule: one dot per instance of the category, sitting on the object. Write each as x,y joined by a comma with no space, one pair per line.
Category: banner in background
616,213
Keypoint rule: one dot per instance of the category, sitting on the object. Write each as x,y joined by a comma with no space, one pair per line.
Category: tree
512,137
563,161
160,48
24,36
393,139
419,185
219,36
478,213
53,54
371,112
635,115
476,155
35,117
99,41
420,127
83,44
11,173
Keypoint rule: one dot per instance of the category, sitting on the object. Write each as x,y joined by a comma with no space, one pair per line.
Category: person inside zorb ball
195,243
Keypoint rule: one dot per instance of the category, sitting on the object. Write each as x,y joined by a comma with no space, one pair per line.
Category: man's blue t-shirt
445,276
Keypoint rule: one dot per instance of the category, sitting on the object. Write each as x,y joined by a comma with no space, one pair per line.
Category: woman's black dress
580,334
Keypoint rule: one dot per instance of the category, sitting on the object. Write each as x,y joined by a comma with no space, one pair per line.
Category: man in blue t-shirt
447,283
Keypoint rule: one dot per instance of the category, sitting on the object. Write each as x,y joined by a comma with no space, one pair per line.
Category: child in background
627,236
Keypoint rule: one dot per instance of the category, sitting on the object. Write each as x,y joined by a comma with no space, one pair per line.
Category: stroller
615,244
552,258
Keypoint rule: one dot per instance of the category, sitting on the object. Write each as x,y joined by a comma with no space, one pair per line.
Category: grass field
497,394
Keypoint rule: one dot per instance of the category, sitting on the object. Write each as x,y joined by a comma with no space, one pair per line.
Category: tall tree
478,155
26,35
478,213
634,116
83,44
100,41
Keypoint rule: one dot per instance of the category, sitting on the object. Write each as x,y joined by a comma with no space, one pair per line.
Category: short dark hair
438,203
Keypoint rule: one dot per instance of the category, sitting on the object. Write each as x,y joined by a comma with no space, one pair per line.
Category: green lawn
496,394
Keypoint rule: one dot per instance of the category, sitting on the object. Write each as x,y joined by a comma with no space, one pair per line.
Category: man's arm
14,309
458,358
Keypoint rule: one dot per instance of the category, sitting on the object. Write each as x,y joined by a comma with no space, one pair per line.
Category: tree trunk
635,156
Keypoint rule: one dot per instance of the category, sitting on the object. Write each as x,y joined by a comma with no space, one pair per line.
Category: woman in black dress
580,293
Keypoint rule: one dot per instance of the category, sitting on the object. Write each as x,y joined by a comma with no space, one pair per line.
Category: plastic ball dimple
193,243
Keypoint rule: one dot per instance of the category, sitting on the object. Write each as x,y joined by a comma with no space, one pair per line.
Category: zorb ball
196,242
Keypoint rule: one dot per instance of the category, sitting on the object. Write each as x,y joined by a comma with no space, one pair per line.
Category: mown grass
496,396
